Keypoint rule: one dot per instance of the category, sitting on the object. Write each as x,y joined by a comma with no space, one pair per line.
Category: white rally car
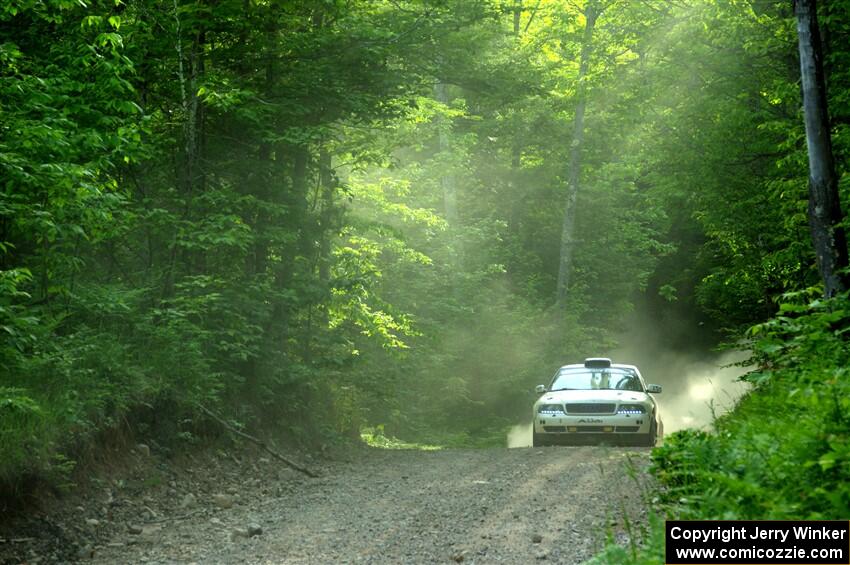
597,401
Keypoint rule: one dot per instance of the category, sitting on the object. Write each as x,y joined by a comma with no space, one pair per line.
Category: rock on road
553,505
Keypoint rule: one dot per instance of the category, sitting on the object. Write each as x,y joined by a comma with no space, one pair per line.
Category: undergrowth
434,440
374,437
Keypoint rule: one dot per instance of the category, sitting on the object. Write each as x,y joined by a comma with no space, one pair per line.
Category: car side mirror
540,389
654,389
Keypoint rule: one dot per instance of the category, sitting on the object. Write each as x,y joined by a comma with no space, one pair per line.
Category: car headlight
631,409
550,409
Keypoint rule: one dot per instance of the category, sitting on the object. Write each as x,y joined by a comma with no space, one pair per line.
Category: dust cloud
520,436
697,391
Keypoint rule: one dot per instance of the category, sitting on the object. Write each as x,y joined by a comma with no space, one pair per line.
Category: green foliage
375,437
648,551
24,425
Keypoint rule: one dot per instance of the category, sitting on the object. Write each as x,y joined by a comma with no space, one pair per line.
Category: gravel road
553,505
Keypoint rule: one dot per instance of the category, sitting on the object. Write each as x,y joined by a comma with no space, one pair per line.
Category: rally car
597,401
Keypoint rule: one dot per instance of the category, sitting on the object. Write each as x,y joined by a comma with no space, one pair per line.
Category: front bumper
614,425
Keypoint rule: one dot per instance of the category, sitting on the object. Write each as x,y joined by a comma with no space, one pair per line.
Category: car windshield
582,378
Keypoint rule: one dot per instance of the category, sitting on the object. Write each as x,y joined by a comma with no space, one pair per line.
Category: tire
652,436
538,440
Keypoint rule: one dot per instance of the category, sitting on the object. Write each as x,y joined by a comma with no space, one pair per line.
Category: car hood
594,396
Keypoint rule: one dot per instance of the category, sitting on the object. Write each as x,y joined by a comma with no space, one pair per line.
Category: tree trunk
517,16
317,309
514,180
328,186
824,205
574,173
447,181
190,176
300,195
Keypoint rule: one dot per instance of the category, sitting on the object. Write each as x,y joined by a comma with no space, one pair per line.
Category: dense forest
318,216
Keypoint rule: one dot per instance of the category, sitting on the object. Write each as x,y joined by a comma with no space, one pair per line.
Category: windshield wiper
557,389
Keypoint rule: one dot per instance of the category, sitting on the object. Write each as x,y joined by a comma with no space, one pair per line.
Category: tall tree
591,13
447,180
824,204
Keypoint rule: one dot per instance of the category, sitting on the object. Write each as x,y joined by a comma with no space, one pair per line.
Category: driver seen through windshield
597,379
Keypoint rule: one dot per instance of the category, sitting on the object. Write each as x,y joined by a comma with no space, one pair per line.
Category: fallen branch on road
258,442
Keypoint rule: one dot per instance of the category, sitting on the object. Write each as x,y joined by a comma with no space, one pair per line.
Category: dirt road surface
516,506
471,506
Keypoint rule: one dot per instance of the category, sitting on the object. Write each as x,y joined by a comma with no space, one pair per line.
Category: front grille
554,428
628,428
590,408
